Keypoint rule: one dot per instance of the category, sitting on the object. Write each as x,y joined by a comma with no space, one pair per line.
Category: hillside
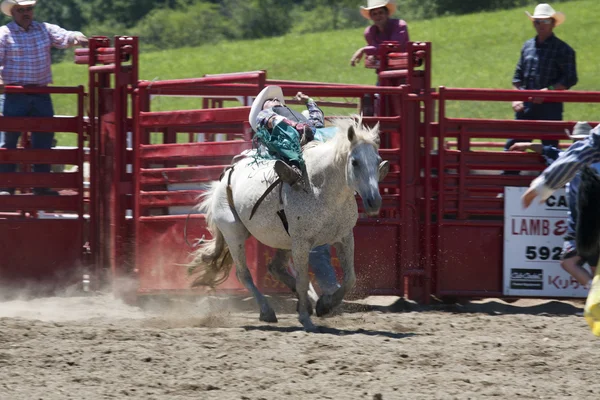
477,50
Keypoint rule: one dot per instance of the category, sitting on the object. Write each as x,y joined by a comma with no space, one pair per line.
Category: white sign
533,240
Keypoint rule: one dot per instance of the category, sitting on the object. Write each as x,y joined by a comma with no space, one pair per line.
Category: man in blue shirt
546,63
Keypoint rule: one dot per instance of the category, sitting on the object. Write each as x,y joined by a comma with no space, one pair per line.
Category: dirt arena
378,348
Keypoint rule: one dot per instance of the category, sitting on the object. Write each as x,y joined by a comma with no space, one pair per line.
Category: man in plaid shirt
546,63
25,60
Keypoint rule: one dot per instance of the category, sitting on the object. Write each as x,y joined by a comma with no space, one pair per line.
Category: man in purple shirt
384,29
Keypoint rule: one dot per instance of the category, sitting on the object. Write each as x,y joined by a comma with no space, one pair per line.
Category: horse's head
362,163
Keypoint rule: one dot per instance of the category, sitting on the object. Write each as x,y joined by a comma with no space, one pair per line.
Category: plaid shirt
583,152
552,154
568,164
545,64
25,54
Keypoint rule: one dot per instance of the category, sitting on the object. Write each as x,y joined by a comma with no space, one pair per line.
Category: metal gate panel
376,259
42,251
162,253
470,260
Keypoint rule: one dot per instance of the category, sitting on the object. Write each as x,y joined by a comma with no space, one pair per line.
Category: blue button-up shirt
545,64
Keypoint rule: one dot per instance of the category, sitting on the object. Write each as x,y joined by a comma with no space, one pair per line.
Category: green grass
477,51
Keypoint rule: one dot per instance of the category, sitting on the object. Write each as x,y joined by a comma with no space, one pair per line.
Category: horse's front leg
300,255
345,253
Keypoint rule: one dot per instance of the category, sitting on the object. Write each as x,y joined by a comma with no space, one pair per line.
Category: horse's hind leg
277,269
236,239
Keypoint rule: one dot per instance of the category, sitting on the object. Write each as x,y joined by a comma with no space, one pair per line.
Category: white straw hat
7,5
544,11
373,4
268,93
581,130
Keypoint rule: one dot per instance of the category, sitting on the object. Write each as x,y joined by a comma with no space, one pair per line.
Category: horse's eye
354,163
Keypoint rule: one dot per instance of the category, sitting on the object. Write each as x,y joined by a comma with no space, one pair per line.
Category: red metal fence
43,237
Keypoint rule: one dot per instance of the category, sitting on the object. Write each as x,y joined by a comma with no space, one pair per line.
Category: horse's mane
340,141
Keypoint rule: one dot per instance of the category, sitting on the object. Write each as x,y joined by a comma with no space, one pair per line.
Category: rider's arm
581,153
267,119
315,114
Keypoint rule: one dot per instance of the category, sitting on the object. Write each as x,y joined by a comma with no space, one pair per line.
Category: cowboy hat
581,130
545,11
373,4
268,93
7,5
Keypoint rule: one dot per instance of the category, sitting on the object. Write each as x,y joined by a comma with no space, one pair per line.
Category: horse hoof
268,316
322,308
310,327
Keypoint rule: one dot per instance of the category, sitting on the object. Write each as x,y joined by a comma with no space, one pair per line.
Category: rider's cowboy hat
268,93
545,11
7,5
373,4
581,130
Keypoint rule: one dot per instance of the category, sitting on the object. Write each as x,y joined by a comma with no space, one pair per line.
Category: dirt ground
378,348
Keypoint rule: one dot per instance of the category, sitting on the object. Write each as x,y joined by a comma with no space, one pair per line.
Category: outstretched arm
315,114
581,153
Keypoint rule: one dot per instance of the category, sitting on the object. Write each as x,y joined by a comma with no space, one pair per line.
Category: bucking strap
229,191
284,221
261,198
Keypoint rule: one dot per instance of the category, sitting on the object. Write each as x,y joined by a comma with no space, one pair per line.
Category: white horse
323,211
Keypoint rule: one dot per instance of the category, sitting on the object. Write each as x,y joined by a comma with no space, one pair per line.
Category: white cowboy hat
581,130
7,5
268,93
544,11
373,4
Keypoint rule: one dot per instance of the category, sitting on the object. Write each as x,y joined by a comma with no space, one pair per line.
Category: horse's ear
351,134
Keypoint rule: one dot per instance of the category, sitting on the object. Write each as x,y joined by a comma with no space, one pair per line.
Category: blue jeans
320,262
26,105
542,112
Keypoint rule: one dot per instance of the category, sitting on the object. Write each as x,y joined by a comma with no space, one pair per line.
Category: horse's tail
212,260
588,220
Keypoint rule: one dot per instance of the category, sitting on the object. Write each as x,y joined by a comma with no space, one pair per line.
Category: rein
280,213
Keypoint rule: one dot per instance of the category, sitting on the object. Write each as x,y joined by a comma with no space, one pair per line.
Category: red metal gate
43,237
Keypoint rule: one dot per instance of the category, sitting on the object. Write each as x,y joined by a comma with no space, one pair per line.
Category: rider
283,130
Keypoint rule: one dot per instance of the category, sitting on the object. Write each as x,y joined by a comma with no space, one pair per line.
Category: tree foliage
177,23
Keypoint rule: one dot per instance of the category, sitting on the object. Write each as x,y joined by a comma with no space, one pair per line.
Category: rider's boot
384,168
289,174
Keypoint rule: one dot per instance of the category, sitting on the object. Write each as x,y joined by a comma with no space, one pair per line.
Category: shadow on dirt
283,304
489,307
329,331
